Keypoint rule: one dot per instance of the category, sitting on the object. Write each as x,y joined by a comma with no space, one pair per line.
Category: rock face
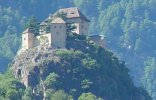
26,64
82,67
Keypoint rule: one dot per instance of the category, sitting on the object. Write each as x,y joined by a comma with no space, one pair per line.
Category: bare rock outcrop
26,64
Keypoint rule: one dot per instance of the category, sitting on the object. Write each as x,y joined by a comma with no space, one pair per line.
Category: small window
60,26
24,38
72,13
54,26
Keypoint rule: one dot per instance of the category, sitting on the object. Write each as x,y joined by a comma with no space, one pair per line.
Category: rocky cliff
83,67
28,61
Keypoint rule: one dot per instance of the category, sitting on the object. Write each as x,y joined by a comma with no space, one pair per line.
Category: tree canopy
129,27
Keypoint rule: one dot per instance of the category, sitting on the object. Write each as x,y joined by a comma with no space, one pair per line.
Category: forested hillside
83,71
129,27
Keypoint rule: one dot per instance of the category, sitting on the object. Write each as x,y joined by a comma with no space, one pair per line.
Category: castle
52,33
53,30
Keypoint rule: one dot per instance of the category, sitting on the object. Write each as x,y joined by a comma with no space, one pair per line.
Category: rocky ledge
28,61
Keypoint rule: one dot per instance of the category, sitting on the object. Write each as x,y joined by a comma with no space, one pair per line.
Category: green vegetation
129,27
148,78
82,73
88,96
33,25
10,88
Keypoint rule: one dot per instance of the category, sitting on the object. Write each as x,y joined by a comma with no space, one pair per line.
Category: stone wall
81,26
27,40
58,31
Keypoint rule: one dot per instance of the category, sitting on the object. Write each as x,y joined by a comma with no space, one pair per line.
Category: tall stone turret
28,39
58,32
75,16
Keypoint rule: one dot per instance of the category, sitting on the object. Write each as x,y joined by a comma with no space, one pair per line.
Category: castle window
72,13
54,26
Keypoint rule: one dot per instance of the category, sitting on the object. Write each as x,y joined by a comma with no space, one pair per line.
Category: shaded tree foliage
129,26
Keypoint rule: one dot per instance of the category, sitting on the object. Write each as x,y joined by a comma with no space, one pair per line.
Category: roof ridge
73,12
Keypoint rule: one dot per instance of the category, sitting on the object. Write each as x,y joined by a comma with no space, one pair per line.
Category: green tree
90,63
33,25
88,96
148,78
28,94
51,81
85,84
12,94
10,88
60,95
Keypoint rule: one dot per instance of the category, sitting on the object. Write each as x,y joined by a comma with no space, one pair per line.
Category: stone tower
28,39
75,16
58,33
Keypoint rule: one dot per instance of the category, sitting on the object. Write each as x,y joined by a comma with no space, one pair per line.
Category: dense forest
128,25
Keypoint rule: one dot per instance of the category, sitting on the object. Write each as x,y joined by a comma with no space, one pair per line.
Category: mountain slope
129,27
83,67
